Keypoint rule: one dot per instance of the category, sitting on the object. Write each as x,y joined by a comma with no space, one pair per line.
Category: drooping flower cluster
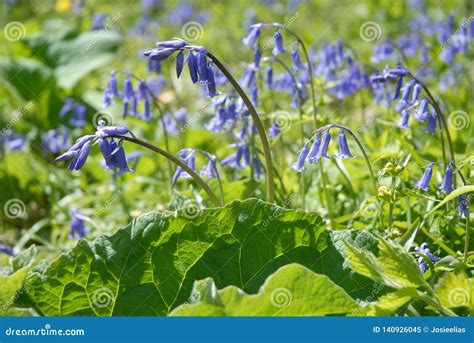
77,110
423,249
446,185
110,147
130,97
408,95
229,110
77,227
282,82
188,156
319,148
200,69
243,158
12,141
336,66
55,141
98,21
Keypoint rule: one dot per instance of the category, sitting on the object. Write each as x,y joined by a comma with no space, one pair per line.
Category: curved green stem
176,161
361,147
258,123
310,71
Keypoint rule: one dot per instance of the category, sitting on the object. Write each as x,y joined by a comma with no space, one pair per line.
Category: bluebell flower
128,96
403,123
299,164
258,172
252,37
278,49
112,150
77,227
256,59
295,55
170,124
179,63
431,126
344,151
323,149
14,141
78,116
383,51
154,66
448,180
211,82
68,105
8,250
98,21
210,169
235,160
111,91
463,205
313,152
143,94
192,65
404,100
248,77
274,129
269,77
415,94
422,113
202,66
187,156
55,141
423,249
424,182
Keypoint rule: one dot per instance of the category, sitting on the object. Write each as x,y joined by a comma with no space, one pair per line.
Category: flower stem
310,71
176,161
302,135
361,147
258,123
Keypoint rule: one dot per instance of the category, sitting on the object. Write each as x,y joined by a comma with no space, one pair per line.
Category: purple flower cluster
336,66
110,147
319,149
243,158
188,156
200,69
77,227
12,141
423,249
77,110
129,97
447,185
55,141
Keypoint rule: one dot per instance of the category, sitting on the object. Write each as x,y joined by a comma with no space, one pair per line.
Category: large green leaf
149,267
293,290
73,57
78,57
11,284
25,77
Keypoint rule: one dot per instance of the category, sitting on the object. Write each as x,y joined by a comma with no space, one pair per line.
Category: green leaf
456,290
149,267
454,194
391,302
25,258
398,265
25,77
78,57
293,290
363,262
11,284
